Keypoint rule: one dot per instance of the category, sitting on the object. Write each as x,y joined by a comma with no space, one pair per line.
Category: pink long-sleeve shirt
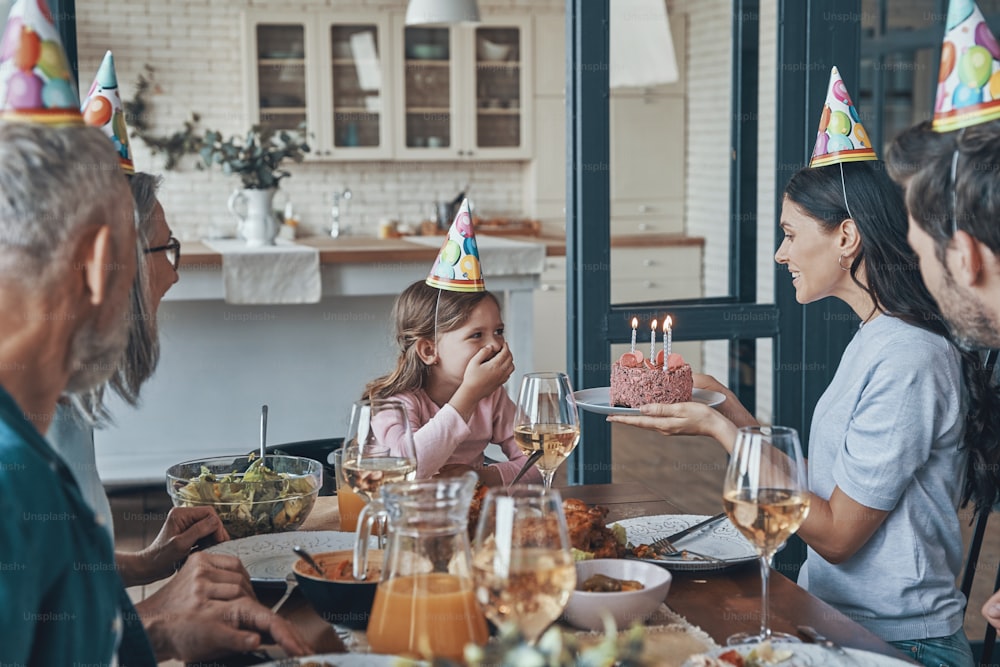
441,435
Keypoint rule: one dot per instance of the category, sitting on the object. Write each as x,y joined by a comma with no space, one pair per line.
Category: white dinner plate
804,655
721,540
269,558
346,660
598,400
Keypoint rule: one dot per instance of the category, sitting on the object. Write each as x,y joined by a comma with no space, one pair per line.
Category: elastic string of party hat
437,307
843,189
954,182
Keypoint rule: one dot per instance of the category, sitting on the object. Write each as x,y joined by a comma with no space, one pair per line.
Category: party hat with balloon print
457,267
841,136
103,108
36,85
969,81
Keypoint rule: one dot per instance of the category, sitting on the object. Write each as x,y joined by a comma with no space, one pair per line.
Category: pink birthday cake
635,381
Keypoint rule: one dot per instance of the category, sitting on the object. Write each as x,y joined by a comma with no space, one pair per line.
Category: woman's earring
840,263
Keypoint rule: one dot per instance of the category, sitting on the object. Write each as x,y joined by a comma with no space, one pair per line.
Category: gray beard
95,357
968,319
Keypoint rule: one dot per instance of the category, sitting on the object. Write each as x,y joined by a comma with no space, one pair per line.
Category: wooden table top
727,602
720,603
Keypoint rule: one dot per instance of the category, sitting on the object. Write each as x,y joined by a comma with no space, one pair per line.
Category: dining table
717,603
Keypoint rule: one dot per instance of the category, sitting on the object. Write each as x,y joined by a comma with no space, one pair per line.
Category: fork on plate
666,550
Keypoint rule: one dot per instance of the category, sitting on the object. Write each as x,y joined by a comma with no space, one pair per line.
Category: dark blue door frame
813,35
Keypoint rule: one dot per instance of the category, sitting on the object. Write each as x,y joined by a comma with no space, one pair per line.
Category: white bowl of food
487,50
628,590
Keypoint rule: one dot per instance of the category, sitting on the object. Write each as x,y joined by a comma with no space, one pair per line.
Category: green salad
253,502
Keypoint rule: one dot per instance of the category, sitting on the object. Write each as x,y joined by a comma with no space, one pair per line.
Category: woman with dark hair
888,461
207,607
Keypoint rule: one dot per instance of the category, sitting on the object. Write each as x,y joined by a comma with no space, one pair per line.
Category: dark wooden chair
968,574
972,560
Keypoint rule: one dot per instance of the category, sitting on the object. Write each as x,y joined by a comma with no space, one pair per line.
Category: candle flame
654,325
635,322
668,323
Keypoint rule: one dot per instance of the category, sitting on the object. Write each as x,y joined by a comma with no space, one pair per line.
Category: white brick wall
707,198
766,214
709,71
195,47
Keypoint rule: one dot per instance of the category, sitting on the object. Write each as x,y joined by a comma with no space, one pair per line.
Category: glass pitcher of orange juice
425,605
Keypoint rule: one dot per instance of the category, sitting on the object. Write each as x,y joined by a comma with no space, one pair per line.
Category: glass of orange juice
425,605
349,503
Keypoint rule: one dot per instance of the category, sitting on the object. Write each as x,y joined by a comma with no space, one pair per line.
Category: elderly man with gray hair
67,263
67,260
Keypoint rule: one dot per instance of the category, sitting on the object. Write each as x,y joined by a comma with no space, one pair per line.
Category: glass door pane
498,87
357,85
281,76
427,94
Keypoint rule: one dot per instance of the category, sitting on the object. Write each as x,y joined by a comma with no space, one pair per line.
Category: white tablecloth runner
282,273
519,256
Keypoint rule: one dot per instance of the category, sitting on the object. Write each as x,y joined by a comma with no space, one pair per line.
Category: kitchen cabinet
463,93
647,135
640,272
647,167
308,362
330,74
368,87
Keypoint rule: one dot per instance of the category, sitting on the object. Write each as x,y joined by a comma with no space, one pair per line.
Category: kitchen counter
346,249
350,249
220,362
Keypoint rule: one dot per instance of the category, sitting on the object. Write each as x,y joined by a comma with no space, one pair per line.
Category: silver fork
666,548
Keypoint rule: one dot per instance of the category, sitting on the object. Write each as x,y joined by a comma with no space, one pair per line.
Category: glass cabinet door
281,75
427,70
357,86
498,87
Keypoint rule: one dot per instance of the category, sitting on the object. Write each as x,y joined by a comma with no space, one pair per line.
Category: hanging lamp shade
441,12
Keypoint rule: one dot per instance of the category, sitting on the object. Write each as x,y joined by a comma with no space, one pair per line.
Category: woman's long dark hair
892,279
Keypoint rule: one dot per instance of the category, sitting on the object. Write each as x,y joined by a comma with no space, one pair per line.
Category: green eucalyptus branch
138,111
256,158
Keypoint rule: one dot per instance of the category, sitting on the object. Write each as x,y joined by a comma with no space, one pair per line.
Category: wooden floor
693,468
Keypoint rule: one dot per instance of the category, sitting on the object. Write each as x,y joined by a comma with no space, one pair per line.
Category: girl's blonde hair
415,312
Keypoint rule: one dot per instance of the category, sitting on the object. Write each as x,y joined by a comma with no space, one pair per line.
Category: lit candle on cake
635,323
652,342
668,335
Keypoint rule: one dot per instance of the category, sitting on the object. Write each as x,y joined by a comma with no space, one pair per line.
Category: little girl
452,365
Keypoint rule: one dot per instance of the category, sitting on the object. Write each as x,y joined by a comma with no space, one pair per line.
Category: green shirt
59,588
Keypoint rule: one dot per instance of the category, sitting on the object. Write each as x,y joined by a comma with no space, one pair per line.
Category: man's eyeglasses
172,249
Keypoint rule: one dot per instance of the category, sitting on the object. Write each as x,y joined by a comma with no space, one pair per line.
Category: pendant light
441,12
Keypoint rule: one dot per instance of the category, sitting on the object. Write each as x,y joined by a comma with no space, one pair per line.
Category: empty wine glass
379,448
766,496
546,419
522,564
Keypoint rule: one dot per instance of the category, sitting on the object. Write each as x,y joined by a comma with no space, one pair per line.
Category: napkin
521,257
282,273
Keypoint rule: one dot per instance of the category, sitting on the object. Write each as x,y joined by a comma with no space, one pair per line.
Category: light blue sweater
887,432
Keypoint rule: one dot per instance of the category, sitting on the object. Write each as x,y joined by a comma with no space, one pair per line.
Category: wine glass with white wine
766,496
379,448
546,420
521,559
